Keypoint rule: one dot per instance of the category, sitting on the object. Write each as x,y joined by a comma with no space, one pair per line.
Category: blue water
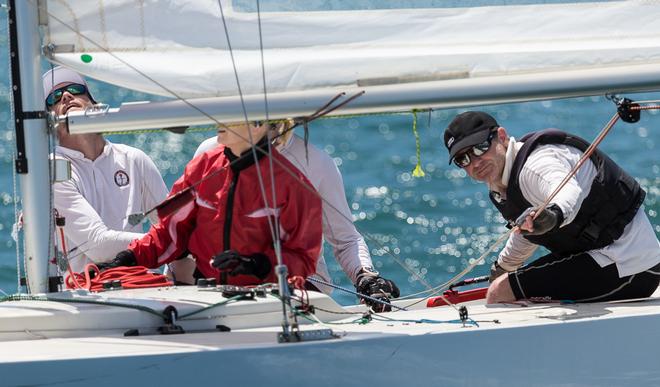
435,225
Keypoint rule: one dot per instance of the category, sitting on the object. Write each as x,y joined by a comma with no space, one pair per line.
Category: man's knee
500,291
181,271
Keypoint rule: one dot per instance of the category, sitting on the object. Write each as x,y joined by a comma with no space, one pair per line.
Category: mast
31,140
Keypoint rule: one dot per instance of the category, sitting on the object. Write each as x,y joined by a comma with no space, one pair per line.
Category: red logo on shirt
121,178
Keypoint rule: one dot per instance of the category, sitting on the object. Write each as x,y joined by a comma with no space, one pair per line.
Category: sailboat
394,60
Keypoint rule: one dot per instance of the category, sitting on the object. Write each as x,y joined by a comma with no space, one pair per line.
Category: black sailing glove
123,258
234,263
548,220
371,284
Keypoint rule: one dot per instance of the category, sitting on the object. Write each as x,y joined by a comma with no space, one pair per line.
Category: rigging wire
245,116
276,220
278,247
280,270
312,279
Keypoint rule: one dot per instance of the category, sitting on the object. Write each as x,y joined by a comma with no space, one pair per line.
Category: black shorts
579,278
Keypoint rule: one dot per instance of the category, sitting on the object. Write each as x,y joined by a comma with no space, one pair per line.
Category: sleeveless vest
612,202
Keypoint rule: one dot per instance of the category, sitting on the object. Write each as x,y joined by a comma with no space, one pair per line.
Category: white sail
85,338
182,48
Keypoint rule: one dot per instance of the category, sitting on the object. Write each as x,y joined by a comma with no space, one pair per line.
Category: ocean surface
434,225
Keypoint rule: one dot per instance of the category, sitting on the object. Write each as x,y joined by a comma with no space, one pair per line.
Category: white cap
59,75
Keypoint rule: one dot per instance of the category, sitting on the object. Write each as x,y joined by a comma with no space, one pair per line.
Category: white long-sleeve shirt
348,245
99,197
636,250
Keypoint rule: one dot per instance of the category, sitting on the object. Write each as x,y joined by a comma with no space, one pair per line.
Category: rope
418,171
133,277
312,317
367,318
649,107
425,320
311,279
647,101
204,309
585,157
74,280
22,297
298,282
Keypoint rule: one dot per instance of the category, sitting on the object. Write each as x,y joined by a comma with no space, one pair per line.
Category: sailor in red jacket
225,224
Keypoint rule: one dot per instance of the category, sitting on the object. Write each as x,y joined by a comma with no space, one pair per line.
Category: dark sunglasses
56,95
463,160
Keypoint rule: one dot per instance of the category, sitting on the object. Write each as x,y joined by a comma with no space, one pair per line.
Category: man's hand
548,220
234,263
123,258
495,271
371,284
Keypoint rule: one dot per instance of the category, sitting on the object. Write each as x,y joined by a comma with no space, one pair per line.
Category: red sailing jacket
228,212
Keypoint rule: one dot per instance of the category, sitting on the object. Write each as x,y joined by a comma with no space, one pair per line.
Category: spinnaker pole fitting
627,109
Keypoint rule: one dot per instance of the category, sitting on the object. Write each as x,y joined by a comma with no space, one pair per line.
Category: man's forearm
515,252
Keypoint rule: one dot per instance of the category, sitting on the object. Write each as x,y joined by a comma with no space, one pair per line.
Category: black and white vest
612,202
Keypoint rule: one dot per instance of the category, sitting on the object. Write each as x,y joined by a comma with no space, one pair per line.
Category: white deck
543,344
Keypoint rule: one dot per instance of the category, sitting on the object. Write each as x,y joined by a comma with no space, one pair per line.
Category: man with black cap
602,245
109,181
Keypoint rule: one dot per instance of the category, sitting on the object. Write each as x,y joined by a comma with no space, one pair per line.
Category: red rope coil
133,277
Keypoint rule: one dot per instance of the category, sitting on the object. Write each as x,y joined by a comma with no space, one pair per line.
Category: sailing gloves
123,258
370,283
234,263
550,219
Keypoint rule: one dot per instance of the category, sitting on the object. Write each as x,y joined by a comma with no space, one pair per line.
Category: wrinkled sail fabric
181,46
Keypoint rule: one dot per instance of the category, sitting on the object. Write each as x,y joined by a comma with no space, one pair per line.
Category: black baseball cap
468,129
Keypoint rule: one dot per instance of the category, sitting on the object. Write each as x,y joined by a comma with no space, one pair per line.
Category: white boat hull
541,344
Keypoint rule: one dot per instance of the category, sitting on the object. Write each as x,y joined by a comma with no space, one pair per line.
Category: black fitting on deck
170,315
463,314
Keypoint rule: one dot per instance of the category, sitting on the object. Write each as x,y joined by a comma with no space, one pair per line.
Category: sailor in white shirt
109,181
348,245
602,244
